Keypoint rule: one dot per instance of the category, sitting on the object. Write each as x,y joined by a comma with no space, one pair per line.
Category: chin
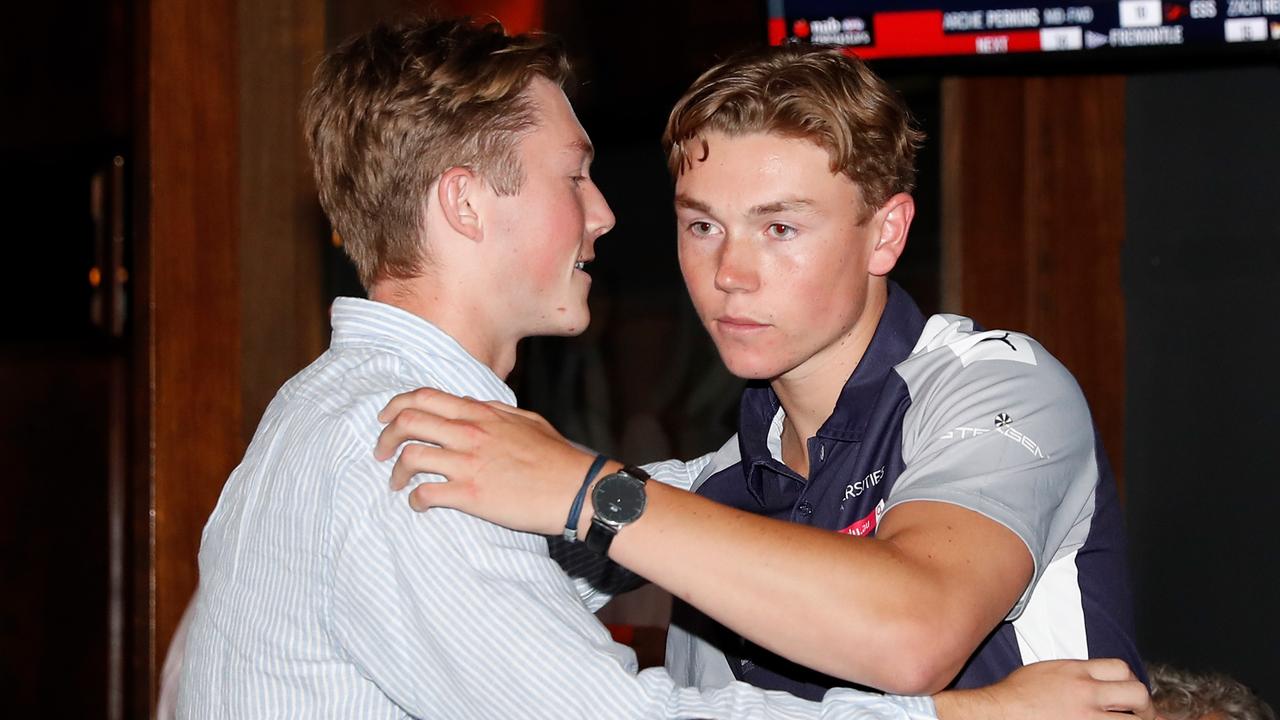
750,367
574,324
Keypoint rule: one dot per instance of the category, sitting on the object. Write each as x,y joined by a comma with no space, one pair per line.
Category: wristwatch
619,500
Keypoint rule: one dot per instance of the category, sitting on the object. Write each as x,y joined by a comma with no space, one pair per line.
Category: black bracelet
575,510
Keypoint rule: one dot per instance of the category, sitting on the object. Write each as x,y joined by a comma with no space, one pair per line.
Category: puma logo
1004,340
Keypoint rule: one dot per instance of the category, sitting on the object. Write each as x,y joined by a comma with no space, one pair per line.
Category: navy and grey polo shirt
942,411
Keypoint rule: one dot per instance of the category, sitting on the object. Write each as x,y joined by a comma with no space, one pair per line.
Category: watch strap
600,536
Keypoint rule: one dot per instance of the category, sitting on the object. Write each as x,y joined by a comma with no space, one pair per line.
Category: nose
599,216
736,267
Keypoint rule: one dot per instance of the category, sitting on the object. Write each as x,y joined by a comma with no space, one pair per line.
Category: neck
809,392
462,321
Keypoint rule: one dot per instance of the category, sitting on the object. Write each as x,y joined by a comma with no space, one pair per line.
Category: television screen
935,28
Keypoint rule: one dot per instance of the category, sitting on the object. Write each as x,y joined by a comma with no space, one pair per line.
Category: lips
733,324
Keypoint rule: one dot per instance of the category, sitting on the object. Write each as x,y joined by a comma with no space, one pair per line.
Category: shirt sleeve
442,610
998,426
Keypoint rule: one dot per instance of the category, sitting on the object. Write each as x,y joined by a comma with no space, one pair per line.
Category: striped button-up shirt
323,595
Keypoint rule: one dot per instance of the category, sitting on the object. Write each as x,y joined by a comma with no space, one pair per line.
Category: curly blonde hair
1183,695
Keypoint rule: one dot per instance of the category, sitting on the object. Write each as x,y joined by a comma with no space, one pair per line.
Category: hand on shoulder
1054,690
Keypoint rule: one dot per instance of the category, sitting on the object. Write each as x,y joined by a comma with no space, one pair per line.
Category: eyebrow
797,204
585,147
685,201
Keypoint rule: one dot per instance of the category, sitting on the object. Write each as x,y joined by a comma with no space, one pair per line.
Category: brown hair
392,109
798,91
1184,695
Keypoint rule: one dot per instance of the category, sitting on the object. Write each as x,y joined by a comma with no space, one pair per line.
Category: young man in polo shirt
976,526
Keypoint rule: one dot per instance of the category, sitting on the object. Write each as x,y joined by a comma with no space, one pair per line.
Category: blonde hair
392,109
819,95
1183,695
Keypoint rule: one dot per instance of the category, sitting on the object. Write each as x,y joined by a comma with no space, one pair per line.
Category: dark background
83,503
1202,285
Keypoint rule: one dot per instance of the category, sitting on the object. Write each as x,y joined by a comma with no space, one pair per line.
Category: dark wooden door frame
187,357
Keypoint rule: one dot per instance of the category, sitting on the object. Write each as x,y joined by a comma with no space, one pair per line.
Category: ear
890,224
456,192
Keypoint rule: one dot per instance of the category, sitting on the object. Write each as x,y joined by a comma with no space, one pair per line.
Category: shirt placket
826,456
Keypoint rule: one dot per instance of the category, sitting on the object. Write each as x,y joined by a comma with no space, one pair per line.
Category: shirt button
805,509
822,453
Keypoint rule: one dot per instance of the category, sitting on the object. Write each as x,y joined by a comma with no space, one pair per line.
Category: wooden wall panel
1075,136
1033,205
982,199
189,240
283,230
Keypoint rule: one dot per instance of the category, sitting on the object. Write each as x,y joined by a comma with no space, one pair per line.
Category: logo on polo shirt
866,525
1003,425
853,490
1004,340
992,345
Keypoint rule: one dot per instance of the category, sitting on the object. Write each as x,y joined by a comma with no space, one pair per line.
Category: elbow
918,660
917,677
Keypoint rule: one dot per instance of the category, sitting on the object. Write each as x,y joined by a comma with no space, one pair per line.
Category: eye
781,231
701,228
579,179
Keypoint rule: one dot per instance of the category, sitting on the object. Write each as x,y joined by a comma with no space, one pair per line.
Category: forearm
816,575
482,626
921,607
977,704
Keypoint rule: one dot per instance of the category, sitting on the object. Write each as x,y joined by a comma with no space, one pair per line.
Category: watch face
619,499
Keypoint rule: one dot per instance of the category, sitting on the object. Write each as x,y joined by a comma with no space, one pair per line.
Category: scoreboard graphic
907,28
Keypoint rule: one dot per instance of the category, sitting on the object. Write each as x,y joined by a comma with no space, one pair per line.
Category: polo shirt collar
895,337
760,413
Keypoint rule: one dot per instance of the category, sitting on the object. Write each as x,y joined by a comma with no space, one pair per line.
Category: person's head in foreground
785,144
450,163
1184,695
